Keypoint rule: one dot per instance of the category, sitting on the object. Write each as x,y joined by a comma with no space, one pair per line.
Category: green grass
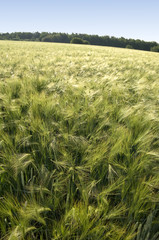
79,142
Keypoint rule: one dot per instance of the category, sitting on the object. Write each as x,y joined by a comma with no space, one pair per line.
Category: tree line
82,39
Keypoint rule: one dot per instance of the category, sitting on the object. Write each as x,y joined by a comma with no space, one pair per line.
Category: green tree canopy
77,40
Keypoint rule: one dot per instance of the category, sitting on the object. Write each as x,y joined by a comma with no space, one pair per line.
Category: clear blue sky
127,18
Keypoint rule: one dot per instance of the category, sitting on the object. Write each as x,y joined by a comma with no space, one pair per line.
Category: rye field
79,142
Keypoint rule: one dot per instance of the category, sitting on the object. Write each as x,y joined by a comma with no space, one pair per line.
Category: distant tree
81,39
47,38
155,49
77,40
85,42
43,35
36,36
129,46
64,38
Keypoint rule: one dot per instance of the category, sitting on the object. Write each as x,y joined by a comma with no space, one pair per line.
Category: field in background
79,142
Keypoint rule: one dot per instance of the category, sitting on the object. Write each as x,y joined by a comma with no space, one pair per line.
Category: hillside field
79,142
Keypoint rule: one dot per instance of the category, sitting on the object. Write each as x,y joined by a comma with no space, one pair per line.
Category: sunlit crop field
79,142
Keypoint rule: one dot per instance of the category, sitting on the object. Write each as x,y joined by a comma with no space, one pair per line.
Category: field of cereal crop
79,142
